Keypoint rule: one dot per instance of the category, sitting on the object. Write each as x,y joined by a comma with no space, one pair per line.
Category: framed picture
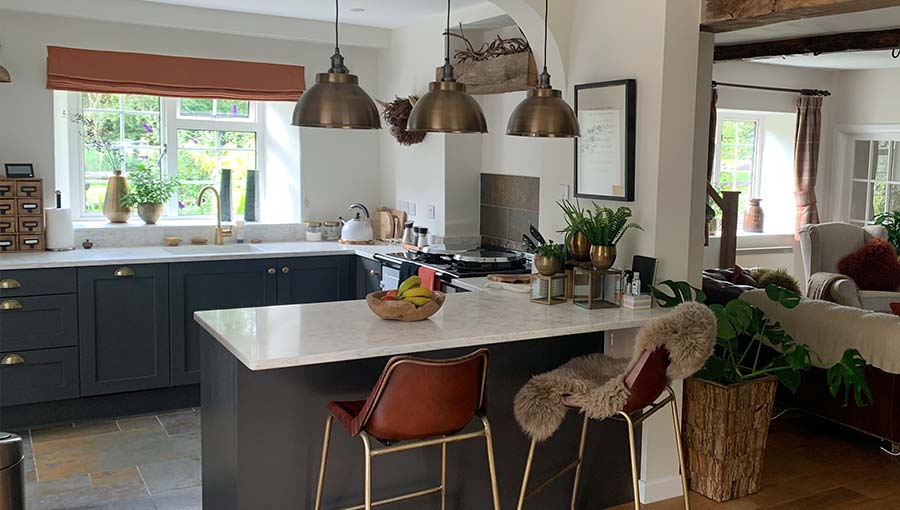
19,170
604,153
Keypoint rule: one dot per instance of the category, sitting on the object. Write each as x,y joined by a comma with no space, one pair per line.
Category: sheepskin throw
596,383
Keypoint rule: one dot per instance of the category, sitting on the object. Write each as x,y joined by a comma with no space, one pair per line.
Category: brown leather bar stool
417,403
671,347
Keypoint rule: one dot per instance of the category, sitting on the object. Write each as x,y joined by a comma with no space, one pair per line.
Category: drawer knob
10,304
373,272
285,270
12,359
271,270
10,283
123,272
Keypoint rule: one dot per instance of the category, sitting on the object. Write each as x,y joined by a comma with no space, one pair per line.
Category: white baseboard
660,489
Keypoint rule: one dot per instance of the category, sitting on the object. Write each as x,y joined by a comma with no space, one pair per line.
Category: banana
410,283
418,301
417,292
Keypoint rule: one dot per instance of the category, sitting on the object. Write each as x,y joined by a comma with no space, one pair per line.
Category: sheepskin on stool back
596,383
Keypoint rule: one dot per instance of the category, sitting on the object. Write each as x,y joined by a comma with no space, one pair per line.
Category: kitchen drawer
9,242
7,188
8,225
30,224
38,322
7,206
29,207
37,282
29,188
31,242
38,376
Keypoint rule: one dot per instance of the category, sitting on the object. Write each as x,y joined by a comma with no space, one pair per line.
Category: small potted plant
148,192
549,258
577,244
604,229
891,222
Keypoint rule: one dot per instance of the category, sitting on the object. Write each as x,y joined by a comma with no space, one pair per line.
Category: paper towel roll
59,230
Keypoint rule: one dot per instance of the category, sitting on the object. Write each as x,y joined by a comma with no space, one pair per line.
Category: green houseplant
148,192
549,258
604,229
577,244
728,404
891,222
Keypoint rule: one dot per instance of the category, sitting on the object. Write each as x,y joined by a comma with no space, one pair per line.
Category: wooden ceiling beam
816,45
729,15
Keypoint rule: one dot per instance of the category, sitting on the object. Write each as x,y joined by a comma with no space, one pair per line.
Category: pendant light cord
337,60
337,11
546,17
447,74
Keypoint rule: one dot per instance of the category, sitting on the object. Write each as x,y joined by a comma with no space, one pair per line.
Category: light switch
412,209
429,212
563,191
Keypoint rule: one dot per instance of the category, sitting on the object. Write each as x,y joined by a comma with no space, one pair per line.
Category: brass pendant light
447,107
4,75
336,100
544,113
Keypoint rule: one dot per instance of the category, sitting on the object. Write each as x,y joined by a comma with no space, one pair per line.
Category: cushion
895,307
740,276
873,267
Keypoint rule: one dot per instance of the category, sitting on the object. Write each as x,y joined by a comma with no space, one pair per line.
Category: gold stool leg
584,428
489,444
677,427
321,485
443,476
634,468
368,489
527,474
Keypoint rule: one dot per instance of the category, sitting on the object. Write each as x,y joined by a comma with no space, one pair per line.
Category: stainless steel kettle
357,230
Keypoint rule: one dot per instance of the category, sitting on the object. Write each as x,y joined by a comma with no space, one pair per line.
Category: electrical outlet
403,205
412,209
563,191
429,212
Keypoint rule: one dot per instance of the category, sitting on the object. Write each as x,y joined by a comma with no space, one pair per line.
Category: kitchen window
193,139
876,180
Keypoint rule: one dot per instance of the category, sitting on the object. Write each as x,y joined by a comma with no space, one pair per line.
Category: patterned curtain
806,159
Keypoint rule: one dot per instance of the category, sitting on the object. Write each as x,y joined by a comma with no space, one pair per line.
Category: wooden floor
813,464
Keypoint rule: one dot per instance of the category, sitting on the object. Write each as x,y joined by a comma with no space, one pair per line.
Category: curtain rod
805,92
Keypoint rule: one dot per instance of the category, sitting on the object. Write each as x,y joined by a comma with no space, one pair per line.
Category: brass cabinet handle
12,359
10,304
123,272
10,283
271,270
285,270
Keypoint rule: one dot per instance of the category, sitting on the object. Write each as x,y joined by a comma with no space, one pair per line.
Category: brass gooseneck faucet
221,233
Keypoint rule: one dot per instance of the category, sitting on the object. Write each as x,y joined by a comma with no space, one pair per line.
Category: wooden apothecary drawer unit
7,188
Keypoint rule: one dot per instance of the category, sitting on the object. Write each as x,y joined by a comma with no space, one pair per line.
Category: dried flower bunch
90,131
396,113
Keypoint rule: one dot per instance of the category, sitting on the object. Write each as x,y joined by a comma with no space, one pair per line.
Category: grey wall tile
487,187
494,221
516,192
519,221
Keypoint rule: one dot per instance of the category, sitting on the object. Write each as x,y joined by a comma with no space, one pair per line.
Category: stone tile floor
147,462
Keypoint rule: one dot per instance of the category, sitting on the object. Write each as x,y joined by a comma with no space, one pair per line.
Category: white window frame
869,181
170,123
756,171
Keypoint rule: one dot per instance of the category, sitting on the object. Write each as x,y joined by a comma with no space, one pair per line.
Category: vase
548,266
754,217
578,247
225,194
150,213
251,204
116,187
603,257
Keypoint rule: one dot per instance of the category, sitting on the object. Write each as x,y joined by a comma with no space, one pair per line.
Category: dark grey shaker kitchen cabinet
196,286
123,328
38,322
38,376
368,277
315,279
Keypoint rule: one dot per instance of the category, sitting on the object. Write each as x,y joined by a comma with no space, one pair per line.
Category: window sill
753,241
134,223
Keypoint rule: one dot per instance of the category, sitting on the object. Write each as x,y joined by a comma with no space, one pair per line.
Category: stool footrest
403,497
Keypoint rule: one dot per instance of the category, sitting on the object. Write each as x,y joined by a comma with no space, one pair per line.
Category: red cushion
895,307
873,267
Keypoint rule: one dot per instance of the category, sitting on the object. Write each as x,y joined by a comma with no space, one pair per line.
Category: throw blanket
820,285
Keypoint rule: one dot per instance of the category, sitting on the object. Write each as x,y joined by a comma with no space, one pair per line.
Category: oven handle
387,261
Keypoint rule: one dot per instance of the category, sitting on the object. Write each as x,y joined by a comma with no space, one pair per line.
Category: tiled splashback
137,234
509,204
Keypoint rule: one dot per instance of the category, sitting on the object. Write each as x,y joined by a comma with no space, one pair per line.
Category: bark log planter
725,431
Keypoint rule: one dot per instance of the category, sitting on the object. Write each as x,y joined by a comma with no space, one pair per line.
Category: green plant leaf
782,296
790,379
681,292
850,372
740,314
713,370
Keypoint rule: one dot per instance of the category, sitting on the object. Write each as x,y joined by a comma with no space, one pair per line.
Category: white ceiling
376,13
851,60
879,19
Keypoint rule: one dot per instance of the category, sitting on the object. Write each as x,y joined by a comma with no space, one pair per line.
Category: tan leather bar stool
671,347
421,403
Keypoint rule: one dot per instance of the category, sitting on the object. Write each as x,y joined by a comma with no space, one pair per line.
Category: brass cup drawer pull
285,270
10,283
271,270
12,359
10,304
123,272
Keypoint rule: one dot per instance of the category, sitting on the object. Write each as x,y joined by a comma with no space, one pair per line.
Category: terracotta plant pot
150,213
754,218
548,266
725,432
404,310
603,257
579,247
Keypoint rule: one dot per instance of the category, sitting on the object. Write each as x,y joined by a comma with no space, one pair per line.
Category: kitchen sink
211,249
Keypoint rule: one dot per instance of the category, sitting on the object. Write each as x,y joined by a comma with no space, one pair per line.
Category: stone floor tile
187,444
142,503
87,491
181,499
120,478
170,475
181,422
74,430
149,422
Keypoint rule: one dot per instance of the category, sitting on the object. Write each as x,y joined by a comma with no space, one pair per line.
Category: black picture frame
19,171
629,100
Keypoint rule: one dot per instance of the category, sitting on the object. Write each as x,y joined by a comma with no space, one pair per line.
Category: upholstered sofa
823,246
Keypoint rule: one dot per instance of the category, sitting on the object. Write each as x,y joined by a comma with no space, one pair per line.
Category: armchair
823,246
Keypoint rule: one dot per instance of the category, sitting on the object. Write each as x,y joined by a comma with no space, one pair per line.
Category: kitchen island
269,372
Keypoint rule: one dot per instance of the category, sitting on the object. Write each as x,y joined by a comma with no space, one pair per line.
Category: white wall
27,131
869,97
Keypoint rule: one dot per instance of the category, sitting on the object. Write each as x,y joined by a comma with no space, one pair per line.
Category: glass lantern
548,290
592,288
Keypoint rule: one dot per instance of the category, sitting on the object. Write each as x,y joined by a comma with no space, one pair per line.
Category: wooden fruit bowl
404,310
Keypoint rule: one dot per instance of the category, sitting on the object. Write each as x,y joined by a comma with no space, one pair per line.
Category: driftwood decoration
502,65
396,113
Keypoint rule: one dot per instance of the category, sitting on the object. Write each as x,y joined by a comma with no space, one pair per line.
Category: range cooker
454,263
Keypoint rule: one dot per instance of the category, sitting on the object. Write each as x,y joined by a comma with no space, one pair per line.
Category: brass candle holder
548,290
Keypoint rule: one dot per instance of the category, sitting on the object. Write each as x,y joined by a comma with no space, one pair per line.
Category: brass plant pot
548,266
603,257
579,247
150,213
116,187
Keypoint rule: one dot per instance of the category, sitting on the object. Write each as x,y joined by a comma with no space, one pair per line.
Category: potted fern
604,229
577,244
148,192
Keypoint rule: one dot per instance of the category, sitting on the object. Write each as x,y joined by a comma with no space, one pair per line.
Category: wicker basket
725,431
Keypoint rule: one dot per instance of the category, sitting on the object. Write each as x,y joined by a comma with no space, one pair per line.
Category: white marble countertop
298,335
184,253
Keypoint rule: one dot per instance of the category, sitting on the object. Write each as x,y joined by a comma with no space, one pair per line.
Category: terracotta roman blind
158,75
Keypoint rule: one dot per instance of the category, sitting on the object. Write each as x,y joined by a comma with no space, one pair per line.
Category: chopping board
383,224
510,278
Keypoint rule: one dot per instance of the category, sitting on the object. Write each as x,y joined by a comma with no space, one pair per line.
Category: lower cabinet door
197,286
123,328
27,377
316,279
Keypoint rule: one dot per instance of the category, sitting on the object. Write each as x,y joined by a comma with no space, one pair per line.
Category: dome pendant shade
447,108
4,75
336,101
543,113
